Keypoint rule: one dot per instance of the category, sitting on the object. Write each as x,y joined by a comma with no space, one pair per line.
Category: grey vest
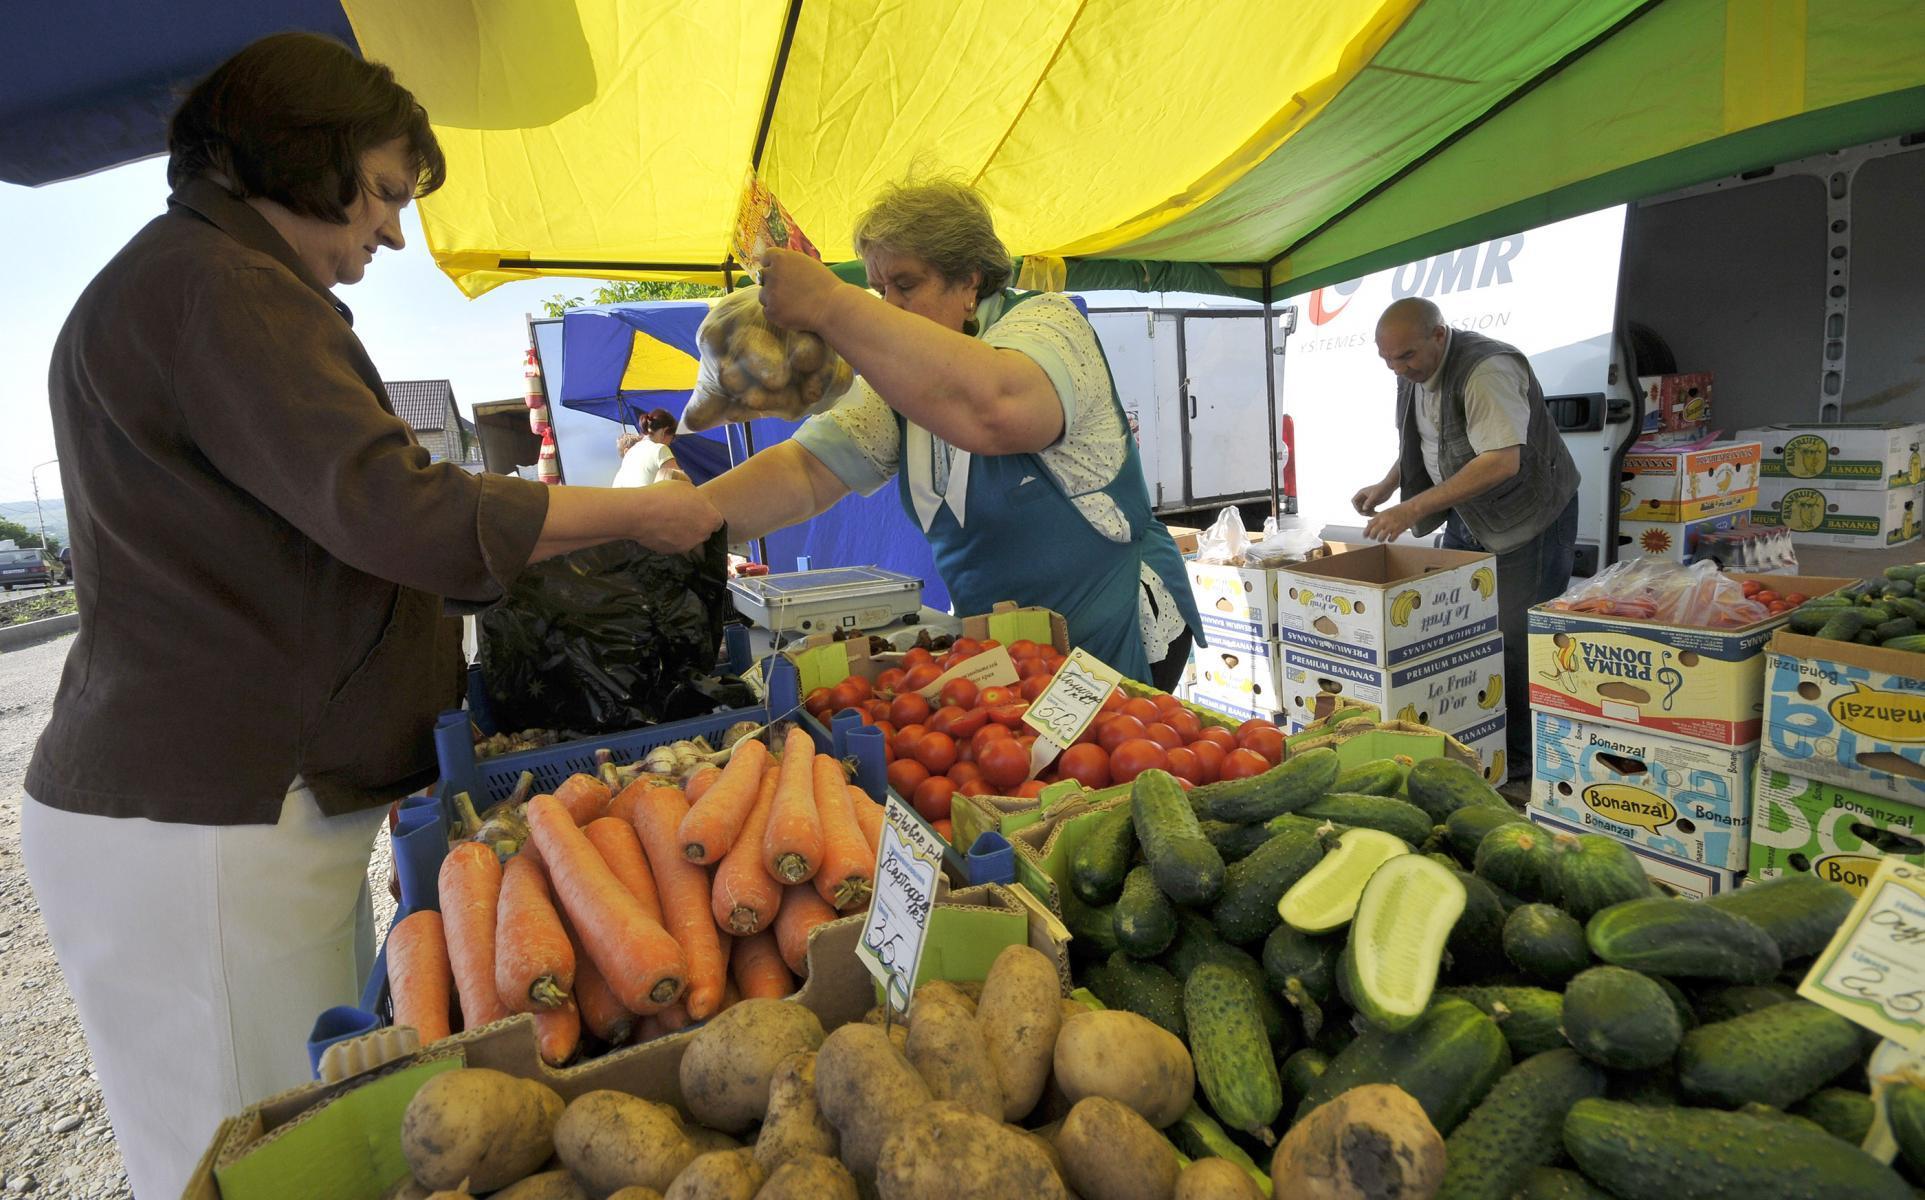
1521,507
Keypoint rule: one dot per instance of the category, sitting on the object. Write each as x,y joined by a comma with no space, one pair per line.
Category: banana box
1677,680
1388,605
1248,674
1687,485
1685,800
1486,740
1837,516
1808,825
1239,602
1452,690
1846,714
1868,456
1676,405
1693,881
1673,541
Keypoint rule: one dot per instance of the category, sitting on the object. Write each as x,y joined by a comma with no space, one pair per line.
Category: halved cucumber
1326,898
1397,939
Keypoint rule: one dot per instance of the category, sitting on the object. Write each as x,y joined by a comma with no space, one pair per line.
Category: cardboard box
1808,825
1185,538
1489,741
1686,485
1249,674
1685,682
1832,516
823,661
1871,456
1693,881
1452,690
1388,605
1684,800
1673,541
1239,602
1676,404
1847,714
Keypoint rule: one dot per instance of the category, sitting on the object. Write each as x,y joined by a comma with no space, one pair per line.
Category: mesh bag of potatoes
752,369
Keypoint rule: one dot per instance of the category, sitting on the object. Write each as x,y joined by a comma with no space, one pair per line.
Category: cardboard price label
1071,701
1873,972
908,864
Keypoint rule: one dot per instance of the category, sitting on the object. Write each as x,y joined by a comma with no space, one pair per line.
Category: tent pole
1270,393
789,22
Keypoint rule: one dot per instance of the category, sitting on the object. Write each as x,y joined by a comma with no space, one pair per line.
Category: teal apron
1027,541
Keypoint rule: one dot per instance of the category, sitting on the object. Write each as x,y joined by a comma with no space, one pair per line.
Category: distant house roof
423,403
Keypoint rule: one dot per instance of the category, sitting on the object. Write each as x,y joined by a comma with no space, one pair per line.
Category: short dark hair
658,420
288,118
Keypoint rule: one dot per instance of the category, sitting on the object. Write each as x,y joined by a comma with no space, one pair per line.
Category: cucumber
1810,617
1476,946
1546,943
1092,928
1140,987
1839,1112
1378,777
1246,908
1909,572
1643,1153
1656,1088
1530,1018
1593,872
1518,1127
1680,1003
1197,1134
1897,627
1234,842
1875,614
1284,788
1769,1113
1800,912
1145,918
1393,816
1843,626
1671,936
1905,1113
1467,826
1234,1064
1300,1072
1722,1004
1910,606
1397,939
1911,645
1621,1019
1776,1056
1187,868
1517,859
1292,823
1447,1061
1555,1183
1102,859
1197,942
1296,958
1441,786
1326,897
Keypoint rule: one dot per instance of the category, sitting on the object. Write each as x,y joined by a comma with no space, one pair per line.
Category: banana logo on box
1802,509
1485,581
1564,667
1492,694
1403,604
1806,456
1496,772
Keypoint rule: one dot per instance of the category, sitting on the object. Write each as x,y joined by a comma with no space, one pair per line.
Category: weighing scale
800,603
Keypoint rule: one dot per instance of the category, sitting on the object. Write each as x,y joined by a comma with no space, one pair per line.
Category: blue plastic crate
495,777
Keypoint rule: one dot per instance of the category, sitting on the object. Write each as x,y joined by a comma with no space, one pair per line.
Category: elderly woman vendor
996,414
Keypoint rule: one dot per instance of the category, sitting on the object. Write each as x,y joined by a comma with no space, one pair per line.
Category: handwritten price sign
1873,972
907,864
1067,706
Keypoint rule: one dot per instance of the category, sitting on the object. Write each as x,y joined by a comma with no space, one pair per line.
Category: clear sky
415,323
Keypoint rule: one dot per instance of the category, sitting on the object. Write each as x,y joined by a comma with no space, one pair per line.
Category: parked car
23,568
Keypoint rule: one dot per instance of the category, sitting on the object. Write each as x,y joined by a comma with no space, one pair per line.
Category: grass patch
17,610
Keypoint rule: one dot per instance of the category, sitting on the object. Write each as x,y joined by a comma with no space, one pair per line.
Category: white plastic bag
1287,541
1224,541
752,369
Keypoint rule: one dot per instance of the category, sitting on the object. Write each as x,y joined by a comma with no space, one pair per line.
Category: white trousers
199,956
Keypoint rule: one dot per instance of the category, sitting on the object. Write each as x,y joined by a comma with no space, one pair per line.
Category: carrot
792,845
675,1017
616,842
716,820
584,796
558,1033
684,888
743,897
758,968
869,817
601,1011
698,784
848,871
470,884
636,956
802,910
419,978
534,964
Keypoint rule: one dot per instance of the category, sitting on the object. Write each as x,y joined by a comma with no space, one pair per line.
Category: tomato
906,775
1031,790
1209,758
863,689
1267,742
1184,764
963,772
1027,741
1034,668
890,682
1751,587
888,728
1009,716
964,647
921,676
1115,701
986,735
1163,735
1004,765
875,712
1166,703
987,644
1023,648
975,787
942,718
1119,729
1244,730
936,752
932,797
909,709
1796,598
1087,765
1764,596
950,661
944,830
1054,657
996,697
1242,764
1224,739
1776,607
1184,722
1032,689
965,751
966,723
907,739
1134,757
1142,710
916,656
960,692
845,695
818,702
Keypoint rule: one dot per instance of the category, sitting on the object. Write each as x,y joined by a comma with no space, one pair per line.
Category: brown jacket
261,546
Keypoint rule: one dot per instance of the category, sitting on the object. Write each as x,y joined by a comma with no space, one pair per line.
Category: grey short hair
1414,312
944,222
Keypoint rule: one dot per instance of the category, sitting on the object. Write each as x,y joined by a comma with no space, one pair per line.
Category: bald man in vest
1479,455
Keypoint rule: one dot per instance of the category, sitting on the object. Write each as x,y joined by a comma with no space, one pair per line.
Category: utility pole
38,514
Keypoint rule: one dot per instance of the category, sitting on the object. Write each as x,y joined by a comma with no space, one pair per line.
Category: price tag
1873,972
907,866
1067,706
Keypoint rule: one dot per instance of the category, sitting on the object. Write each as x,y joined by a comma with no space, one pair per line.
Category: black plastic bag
609,638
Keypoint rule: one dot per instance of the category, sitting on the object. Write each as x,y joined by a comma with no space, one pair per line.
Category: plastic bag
1224,541
1652,589
610,638
752,369
1289,540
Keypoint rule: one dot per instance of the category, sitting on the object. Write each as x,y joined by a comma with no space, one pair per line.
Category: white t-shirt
1497,408
642,464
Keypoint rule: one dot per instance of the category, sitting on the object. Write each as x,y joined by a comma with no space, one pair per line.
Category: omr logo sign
1327,302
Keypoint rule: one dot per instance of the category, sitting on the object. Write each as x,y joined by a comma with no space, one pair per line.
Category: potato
943,990
405,1188
734,378
719,1175
865,1088
1129,1059
948,1152
807,353
794,1124
632,1193
1020,1014
947,1048
972,988
1110,1151
726,1068
1073,1008
611,1140
809,1177
478,1125
760,352
705,1139
549,1185
1371,1143
1216,1179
